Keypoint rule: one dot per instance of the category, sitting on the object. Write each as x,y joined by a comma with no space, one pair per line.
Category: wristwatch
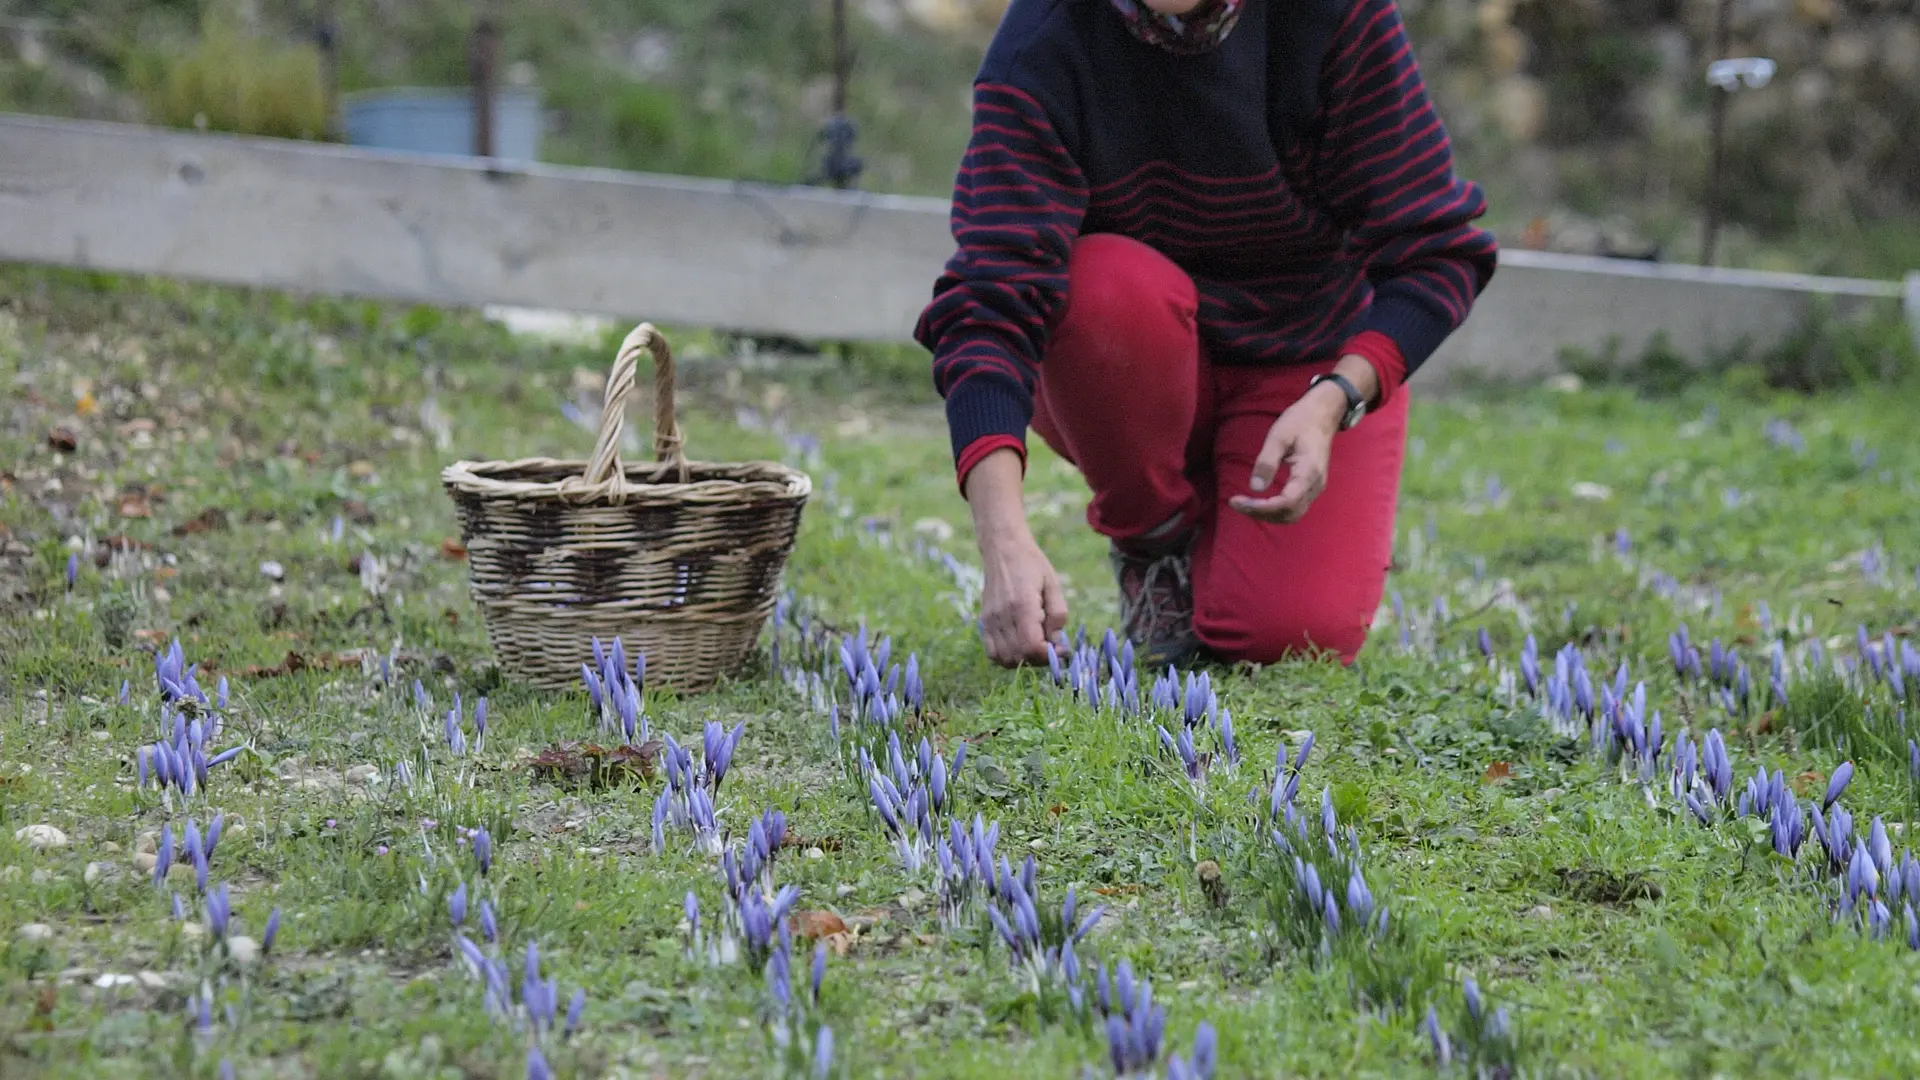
1356,405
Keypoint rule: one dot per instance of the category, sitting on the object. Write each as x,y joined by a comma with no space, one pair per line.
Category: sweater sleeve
1017,208
1390,169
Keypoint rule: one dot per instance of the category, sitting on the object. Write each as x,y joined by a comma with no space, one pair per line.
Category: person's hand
1301,439
1021,606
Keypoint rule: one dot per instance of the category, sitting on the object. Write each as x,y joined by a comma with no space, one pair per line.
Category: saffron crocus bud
489,926
1359,897
483,849
1442,1045
1486,643
457,905
219,911
822,1053
163,856
1879,847
73,570
272,931
1913,929
819,969
537,1065
1471,990
575,1009
1842,776
197,855
179,909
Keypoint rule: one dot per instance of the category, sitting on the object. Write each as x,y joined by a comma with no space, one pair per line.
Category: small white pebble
364,774
152,980
40,837
98,872
41,877
35,931
244,950
844,891
145,861
272,571
113,980
815,853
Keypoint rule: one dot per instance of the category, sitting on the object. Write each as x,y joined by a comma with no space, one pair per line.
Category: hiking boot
1156,603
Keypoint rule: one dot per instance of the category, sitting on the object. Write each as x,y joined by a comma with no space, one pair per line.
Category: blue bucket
436,121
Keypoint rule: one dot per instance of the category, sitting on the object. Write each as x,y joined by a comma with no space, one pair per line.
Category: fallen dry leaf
816,924
1497,773
151,637
1118,890
797,840
1809,781
452,549
134,505
212,519
595,766
293,663
106,546
63,439
841,944
357,512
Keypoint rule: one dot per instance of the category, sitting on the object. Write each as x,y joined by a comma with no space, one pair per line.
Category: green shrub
231,81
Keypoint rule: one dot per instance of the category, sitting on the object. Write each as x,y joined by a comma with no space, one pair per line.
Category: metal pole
482,60
326,38
842,75
1722,43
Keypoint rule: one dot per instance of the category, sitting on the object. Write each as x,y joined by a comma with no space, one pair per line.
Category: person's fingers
1279,443
1257,509
1053,603
1303,486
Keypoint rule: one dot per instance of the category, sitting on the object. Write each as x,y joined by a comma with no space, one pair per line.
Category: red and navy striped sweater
1297,171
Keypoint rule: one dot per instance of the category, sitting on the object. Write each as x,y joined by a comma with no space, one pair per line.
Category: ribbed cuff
981,406
977,451
1413,323
1380,351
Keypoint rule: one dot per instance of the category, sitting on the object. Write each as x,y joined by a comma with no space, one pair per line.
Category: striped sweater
1297,172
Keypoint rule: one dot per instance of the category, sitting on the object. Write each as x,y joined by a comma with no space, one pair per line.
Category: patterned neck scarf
1195,32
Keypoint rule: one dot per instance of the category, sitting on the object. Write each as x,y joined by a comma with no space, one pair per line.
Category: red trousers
1128,395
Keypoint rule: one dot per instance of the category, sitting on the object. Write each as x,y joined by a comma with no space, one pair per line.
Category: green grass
1624,938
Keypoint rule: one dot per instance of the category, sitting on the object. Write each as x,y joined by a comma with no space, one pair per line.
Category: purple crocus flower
457,905
480,719
489,927
537,1065
1842,776
483,849
272,931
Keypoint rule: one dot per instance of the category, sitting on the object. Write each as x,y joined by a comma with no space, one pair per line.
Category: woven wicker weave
680,559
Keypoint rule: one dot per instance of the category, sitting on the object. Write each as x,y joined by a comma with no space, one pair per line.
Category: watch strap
1356,405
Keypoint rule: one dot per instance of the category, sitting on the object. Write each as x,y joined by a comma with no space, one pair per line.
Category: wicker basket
679,559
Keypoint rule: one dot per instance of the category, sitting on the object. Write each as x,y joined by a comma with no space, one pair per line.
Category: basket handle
604,474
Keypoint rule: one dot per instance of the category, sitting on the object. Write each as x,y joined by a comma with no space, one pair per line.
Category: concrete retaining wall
798,262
